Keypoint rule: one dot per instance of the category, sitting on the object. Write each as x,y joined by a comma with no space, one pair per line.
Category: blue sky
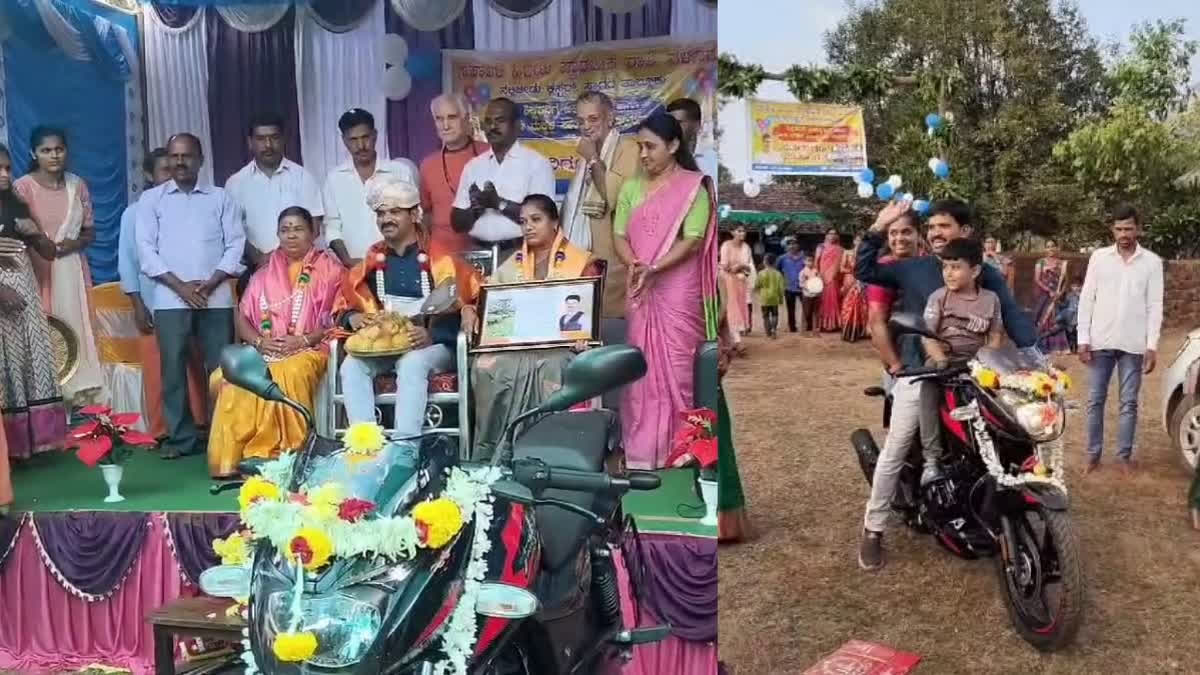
780,33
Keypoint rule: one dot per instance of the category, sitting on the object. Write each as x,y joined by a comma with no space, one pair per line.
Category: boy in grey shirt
966,318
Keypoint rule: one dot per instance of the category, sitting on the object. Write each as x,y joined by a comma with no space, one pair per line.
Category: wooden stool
201,617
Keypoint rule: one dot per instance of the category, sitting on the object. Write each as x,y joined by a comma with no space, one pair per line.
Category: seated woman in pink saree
666,234
285,313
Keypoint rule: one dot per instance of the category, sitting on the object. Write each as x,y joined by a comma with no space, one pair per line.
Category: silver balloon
750,188
429,15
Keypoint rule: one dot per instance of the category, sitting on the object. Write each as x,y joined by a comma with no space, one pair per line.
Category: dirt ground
796,593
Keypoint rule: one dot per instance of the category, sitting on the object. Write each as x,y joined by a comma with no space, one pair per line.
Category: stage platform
78,576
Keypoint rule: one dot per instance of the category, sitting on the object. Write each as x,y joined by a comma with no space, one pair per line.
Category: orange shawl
568,261
358,291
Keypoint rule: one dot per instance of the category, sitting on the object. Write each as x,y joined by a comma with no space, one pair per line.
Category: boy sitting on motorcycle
966,318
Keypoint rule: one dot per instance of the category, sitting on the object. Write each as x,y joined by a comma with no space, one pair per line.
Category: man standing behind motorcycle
916,279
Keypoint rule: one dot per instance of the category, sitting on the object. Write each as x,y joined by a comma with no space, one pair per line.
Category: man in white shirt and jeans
1121,332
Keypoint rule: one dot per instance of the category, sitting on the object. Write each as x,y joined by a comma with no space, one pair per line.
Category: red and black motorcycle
1003,492
546,600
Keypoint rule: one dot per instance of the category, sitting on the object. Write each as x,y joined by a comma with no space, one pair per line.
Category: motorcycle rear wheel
1043,585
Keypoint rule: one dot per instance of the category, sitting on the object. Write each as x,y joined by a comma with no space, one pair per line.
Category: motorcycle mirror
226,581
512,491
243,366
442,299
903,323
595,372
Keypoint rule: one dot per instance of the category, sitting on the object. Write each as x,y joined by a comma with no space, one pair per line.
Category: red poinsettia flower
354,509
85,430
92,450
705,451
125,419
95,410
138,438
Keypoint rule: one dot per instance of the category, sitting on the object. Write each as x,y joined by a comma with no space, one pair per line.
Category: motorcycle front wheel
1043,580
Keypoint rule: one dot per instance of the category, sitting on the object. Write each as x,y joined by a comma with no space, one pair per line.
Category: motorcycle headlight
345,627
1044,420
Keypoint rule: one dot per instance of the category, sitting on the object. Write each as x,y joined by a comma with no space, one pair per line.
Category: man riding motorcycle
917,278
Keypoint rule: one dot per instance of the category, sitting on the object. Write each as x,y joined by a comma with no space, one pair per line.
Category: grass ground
796,593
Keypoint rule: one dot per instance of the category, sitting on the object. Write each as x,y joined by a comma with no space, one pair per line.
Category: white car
1181,401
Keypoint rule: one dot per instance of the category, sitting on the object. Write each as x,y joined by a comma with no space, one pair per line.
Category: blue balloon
921,206
424,64
885,191
866,176
933,120
941,170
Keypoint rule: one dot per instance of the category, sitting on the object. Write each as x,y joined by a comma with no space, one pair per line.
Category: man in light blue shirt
190,241
138,286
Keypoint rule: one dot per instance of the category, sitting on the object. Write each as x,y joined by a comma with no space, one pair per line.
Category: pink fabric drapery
45,629
673,655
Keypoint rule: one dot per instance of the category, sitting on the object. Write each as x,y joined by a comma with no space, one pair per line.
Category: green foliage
856,83
735,80
1155,74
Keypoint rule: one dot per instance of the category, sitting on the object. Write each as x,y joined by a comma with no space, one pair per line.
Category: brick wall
1181,286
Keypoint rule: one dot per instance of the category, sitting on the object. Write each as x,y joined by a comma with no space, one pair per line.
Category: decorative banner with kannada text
806,139
641,76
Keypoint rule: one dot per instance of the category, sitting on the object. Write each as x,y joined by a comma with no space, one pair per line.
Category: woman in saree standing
854,298
736,261
506,384
35,419
829,265
1049,279
665,230
62,207
285,313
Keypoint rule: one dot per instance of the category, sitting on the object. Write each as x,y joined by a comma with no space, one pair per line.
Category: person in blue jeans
917,278
1121,333
792,266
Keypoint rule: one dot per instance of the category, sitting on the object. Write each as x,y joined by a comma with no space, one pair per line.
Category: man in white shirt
269,184
488,202
1122,331
350,225
687,112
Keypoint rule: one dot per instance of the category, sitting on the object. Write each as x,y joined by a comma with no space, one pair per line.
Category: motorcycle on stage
1002,493
546,599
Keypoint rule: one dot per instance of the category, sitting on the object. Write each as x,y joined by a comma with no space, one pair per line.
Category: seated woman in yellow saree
285,313
506,384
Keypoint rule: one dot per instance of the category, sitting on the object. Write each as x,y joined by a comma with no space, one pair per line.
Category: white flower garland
1050,454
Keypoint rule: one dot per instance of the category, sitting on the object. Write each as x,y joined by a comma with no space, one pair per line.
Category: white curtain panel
693,18
177,81
549,29
252,18
334,73
63,33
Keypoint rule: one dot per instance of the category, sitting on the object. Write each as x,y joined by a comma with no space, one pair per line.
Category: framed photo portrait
539,314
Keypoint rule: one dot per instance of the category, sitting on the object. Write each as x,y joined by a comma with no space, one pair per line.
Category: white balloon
895,181
395,49
750,188
771,229
396,83
907,197
949,116
865,190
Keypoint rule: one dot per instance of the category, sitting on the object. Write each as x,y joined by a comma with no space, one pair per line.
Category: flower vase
112,478
708,492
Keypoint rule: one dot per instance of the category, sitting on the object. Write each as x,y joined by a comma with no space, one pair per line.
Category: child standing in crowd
770,286
966,318
810,296
1068,314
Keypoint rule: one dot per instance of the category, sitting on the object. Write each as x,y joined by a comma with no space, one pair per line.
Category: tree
1155,74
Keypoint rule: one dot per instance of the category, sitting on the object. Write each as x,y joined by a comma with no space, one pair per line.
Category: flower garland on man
396,275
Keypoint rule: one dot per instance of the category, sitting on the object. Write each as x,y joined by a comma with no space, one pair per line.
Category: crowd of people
277,262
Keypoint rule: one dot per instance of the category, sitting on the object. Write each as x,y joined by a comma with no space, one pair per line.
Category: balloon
932,163
949,116
921,206
865,190
771,229
750,188
930,132
723,211
942,170
423,64
395,49
884,191
866,176
484,92
396,83
895,181
907,197
933,120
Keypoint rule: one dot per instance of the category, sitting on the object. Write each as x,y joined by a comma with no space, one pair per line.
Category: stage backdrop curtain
548,29
592,23
177,76
694,18
336,72
93,99
409,123
249,73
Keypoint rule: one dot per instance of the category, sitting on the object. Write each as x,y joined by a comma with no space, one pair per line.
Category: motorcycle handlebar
952,370
644,480
537,476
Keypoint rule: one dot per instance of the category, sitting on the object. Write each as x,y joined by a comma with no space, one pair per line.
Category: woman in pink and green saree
666,234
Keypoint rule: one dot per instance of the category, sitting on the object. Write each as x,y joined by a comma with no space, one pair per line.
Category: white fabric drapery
177,81
693,18
336,72
64,34
252,18
549,29
428,15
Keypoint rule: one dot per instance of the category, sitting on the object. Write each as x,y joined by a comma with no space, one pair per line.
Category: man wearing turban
396,275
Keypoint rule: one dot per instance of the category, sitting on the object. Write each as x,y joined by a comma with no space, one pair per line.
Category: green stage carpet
59,482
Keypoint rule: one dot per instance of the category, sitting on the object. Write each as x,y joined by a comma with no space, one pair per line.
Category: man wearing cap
396,275
488,202
349,224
